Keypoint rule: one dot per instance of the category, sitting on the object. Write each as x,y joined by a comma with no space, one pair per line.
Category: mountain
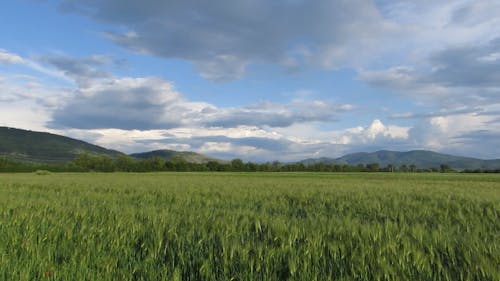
420,158
170,155
39,147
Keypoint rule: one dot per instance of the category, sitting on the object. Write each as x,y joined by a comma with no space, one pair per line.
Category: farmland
249,226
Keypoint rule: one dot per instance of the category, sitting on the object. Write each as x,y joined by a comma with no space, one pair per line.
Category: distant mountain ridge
421,158
171,155
40,147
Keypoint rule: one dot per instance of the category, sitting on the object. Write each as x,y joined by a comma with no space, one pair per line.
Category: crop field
249,226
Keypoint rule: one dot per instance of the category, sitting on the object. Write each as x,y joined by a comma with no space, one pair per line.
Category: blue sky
258,80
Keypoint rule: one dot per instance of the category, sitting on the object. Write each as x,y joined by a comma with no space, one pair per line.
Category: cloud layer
221,38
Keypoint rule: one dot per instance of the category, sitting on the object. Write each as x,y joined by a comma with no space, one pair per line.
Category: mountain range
40,147
420,158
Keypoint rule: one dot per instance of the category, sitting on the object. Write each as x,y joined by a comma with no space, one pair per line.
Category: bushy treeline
98,163
11,166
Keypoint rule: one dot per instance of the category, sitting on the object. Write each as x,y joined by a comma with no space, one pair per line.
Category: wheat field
249,226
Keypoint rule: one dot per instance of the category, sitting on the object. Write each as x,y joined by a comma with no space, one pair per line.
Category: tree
443,168
403,168
154,164
360,168
390,168
213,166
237,165
94,162
180,165
276,165
373,167
252,167
413,168
124,163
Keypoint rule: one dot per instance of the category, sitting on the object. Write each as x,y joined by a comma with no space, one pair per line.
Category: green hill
169,155
38,147
420,158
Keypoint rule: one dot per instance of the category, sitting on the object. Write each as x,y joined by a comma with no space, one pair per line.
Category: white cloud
153,103
23,114
375,132
26,102
128,103
445,133
7,57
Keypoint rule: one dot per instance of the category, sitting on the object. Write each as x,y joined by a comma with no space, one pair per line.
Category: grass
249,226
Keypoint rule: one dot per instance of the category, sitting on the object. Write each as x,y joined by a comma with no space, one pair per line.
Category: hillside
169,155
420,158
39,147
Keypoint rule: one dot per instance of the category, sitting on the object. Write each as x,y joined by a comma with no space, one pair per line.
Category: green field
249,226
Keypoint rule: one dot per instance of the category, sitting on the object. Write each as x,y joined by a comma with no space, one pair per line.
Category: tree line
97,163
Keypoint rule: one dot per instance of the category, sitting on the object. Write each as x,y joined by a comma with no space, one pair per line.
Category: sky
260,80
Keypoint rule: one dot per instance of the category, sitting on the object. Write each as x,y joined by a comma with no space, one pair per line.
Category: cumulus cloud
462,134
153,103
377,130
126,103
222,37
375,136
